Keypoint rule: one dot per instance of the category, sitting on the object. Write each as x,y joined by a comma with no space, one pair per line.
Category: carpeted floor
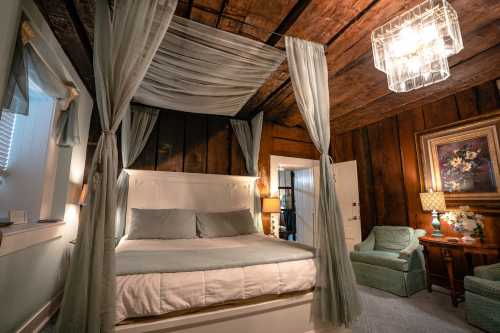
387,313
423,312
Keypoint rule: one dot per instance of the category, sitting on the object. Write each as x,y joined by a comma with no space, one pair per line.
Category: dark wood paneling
170,155
410,122
368,208
219,146
487,97
441,112
467,103
342,147
238,166
387,161
195,139
387,172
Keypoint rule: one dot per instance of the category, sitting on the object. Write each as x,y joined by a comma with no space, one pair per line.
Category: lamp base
436,225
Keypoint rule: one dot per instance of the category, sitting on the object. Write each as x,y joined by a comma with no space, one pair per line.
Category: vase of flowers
466,222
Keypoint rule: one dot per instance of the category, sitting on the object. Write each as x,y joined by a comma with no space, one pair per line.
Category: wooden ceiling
358,92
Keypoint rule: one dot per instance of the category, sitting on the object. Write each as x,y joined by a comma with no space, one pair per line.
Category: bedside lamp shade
433,201
271,205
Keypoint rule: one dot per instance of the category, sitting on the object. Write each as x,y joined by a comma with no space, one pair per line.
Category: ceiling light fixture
412,49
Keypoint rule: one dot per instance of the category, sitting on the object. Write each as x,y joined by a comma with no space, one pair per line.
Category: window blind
7,122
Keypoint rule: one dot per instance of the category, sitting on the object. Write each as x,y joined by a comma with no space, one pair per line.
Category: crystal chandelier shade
412,49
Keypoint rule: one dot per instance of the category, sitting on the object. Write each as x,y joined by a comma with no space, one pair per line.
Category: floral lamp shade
433,201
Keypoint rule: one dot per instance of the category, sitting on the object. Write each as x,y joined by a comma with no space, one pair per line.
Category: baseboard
42,316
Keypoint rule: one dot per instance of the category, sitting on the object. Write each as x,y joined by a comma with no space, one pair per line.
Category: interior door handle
354,218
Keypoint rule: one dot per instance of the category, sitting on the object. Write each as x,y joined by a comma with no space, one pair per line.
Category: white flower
470,155
456,161
467,166
455,186
469,225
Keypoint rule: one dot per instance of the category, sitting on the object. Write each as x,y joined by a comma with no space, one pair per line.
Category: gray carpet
383,312
423,312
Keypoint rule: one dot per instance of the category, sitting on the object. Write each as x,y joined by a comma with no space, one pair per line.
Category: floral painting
466,166
462,160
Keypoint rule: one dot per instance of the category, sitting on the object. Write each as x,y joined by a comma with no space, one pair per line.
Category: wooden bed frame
205,192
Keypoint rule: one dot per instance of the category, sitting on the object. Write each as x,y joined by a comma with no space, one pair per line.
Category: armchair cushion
488,272
392,239
381,258
487,288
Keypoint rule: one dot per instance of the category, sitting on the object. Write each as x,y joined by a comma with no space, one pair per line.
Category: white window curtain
67,130
336,298
15,98
249,141
123,49
206,70
137,126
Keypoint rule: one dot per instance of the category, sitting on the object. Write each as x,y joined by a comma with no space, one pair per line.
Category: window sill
20,236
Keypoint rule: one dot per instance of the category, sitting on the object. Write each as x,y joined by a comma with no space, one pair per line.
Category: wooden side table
446,248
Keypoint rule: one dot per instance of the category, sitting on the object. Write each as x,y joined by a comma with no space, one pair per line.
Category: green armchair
390,259
482,298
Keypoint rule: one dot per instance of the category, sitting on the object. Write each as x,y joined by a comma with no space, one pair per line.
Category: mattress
159,293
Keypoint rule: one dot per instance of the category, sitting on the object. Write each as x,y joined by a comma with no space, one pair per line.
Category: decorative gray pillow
225,224
162,224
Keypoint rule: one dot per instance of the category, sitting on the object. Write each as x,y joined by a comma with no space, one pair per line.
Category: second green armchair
390,259
482,298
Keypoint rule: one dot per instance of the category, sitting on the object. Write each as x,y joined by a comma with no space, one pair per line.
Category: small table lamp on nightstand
271,206
434,201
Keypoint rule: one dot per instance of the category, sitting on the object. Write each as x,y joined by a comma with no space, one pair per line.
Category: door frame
278,162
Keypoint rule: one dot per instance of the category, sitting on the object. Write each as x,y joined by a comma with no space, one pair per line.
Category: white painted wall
31,277
305,205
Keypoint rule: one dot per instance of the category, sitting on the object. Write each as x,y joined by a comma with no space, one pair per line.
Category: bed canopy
174,63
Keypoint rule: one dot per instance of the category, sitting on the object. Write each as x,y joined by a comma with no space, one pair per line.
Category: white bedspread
153,294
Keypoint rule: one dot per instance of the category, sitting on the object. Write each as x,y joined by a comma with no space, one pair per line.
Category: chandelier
412,49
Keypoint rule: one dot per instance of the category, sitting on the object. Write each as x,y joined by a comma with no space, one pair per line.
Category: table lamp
434,201
271,206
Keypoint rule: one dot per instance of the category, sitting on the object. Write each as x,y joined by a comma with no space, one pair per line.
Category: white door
305,205
346,186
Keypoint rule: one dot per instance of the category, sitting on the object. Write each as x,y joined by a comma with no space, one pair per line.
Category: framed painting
462,160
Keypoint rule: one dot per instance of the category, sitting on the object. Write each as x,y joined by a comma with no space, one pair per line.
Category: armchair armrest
367,245
407,252
489,272
486,288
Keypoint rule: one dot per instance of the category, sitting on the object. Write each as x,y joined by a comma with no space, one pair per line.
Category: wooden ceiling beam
288,21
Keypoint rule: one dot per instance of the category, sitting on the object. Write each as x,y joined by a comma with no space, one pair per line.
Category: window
7,122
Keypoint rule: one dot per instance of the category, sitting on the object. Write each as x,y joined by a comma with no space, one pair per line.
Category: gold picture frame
462,160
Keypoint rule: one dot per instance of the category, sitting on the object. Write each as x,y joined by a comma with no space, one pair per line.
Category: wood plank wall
388,173
387,160
188,142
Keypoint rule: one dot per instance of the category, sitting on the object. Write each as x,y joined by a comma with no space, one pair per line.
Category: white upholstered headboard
201,192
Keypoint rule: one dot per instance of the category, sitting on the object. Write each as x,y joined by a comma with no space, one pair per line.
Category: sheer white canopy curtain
124,46
249,141
137,125
202,69
336,298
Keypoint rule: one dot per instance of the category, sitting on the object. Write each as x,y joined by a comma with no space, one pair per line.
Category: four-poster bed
195,68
